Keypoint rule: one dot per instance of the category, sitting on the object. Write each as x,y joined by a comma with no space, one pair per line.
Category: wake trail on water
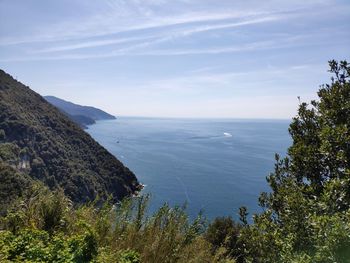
225,135
184,188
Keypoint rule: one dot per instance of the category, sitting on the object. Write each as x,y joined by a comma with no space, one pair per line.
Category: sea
214,166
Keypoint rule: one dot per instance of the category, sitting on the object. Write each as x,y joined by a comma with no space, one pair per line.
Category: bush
125,232
129,256
223,234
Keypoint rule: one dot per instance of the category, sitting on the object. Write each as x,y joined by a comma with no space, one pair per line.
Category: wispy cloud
137,50
104,25
161,37
140,45
91,44
114,28
131,52
230,85
107,17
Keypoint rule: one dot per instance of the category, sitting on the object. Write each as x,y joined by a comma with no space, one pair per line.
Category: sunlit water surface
213,165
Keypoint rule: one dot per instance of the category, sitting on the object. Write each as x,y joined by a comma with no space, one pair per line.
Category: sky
186,58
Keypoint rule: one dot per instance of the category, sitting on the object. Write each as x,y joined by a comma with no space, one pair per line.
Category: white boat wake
226,134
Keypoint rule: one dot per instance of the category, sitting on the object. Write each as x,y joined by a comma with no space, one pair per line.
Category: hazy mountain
83,115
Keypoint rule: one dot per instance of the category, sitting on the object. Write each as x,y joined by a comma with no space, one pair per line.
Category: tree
306,214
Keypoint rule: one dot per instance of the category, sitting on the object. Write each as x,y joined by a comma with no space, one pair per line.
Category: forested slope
40,142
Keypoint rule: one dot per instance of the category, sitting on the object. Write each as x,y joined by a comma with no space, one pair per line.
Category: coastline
138,190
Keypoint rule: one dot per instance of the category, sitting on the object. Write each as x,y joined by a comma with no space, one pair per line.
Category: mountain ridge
83,115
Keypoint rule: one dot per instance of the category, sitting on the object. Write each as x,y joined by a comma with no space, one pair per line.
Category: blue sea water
213,165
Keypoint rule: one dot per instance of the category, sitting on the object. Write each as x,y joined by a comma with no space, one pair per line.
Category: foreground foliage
44,227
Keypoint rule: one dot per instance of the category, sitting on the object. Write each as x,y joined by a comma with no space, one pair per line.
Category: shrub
223,235
129,256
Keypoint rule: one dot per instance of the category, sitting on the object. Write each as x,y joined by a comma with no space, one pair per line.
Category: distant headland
82,115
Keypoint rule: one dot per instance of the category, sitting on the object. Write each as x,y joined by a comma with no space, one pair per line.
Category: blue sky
188,58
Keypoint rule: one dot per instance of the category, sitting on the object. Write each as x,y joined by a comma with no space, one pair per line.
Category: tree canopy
306,214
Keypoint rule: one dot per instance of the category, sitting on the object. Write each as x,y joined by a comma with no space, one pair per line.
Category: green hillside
40,142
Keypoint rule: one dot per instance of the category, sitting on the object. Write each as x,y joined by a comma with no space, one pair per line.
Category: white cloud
111,17
164,36
90,44
107,24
